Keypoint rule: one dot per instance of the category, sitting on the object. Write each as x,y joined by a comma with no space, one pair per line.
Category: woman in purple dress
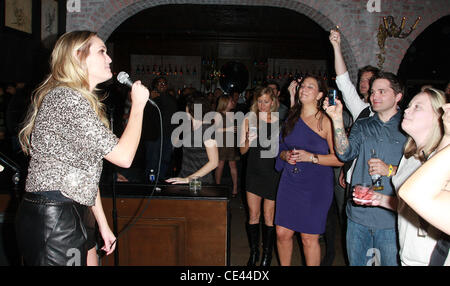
306,158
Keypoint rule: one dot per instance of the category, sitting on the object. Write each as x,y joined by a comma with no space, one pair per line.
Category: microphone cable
100,251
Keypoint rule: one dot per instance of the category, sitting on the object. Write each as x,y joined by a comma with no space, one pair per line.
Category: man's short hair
394,81
368,68
274,83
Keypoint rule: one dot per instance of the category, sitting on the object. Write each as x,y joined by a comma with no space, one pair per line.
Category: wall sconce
389,29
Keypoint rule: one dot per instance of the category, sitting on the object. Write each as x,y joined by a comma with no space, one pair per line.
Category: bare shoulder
327,122
210,143
327,126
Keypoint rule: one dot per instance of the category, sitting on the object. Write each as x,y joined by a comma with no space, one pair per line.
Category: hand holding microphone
139,93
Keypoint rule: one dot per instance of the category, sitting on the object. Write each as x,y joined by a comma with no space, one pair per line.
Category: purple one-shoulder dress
304,197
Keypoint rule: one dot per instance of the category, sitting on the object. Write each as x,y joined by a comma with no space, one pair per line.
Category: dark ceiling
221,21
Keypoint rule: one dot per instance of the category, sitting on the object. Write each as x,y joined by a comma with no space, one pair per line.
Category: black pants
51,230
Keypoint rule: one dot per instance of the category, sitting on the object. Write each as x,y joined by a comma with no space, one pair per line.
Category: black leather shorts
51,230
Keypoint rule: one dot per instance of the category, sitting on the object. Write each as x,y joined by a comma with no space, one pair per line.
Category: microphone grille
122,77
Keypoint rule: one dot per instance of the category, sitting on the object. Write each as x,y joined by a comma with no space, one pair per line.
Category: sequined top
68,144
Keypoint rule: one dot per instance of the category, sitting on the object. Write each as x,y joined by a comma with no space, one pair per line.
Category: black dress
262,178
195,156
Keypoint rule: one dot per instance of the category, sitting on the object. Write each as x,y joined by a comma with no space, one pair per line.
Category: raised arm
339,63
330,159
123,153
446,122
340,137
353,101
427,191
292,91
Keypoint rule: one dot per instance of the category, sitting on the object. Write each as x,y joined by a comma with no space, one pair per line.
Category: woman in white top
422,122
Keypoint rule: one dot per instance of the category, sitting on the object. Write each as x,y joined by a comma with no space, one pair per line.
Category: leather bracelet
391,169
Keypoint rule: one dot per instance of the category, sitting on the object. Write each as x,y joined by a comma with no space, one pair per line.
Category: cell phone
332,95
297,77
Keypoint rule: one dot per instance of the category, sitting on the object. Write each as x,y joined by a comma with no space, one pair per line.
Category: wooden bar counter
175,226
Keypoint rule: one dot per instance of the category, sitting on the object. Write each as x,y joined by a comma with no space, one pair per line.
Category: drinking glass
296,170
362,193
376,178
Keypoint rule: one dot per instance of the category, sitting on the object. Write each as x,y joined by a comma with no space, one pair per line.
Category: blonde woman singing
66,135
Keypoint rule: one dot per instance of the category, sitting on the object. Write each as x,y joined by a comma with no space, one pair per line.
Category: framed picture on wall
49,21
18,15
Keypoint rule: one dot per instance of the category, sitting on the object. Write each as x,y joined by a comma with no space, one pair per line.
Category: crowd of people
322,150
383,224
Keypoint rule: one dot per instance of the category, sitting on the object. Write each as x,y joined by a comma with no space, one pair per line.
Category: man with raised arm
371,232
354,101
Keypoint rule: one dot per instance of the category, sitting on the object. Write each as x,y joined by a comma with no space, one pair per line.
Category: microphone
124,79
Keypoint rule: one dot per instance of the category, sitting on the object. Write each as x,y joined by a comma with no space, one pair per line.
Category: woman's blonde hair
68,68
260,92
437,99
222,103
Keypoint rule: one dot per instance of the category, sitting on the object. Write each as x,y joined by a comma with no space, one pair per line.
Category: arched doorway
427,62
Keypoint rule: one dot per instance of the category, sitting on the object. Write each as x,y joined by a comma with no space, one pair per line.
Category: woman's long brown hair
295,111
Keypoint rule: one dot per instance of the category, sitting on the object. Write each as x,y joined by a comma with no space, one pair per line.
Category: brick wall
358,26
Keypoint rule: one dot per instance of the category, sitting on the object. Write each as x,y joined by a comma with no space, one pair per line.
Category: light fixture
388,29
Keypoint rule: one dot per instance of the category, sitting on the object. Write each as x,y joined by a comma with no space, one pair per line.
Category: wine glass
296,170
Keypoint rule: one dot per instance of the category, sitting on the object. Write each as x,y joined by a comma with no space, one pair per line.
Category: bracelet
391,169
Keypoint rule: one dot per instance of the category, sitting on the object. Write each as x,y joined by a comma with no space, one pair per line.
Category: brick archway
106,18
358,26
